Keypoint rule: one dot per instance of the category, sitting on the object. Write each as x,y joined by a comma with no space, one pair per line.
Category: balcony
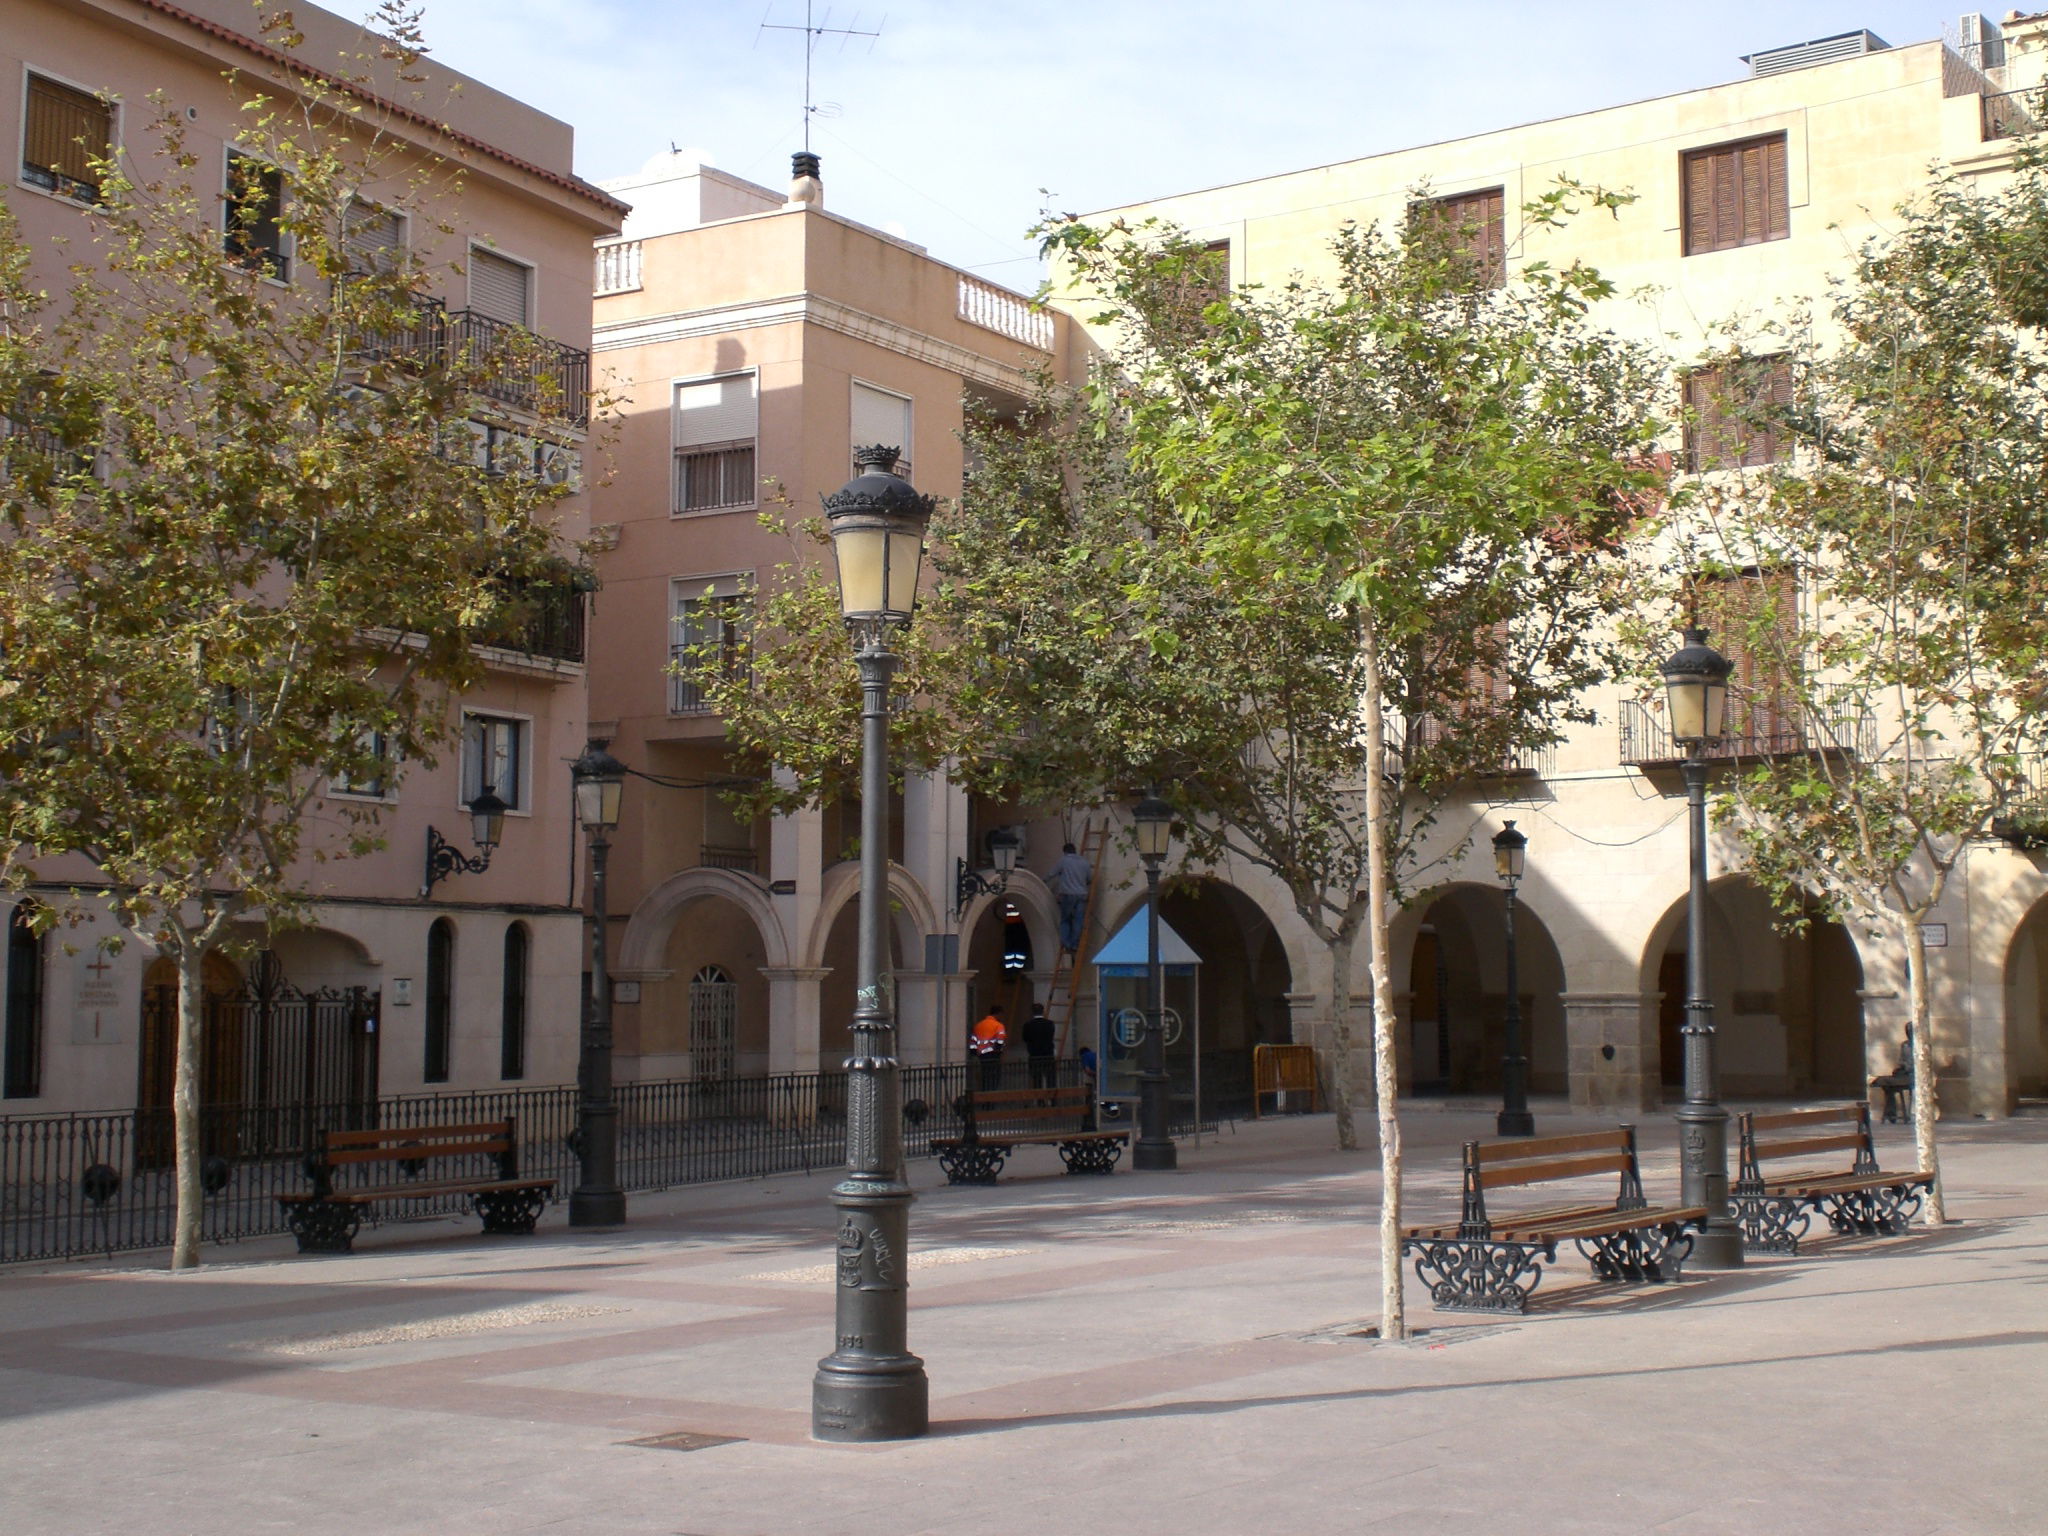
715,856
515,367
1837,725
618,267
1413,737
2011,115
546,621
1006,313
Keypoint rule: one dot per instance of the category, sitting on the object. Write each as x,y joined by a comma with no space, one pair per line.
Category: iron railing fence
92,1183
2011,115
1838,722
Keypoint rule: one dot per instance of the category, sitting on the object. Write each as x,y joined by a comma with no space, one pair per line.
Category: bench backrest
1025,1109
1548,1159
1807,1133
412,1147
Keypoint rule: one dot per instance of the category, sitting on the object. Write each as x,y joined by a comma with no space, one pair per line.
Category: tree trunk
1386,1080
1341,1074
185,1107
1924,1082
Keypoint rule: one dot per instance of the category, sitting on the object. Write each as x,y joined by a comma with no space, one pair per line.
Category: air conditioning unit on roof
1821,50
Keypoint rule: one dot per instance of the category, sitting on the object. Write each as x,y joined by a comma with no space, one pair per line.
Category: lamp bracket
969,883
444,859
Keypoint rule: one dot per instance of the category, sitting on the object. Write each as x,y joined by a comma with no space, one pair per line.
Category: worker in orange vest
987,1040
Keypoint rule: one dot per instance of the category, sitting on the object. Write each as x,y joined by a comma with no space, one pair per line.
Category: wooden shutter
1478,222
880,417
1731,414
716,411
499,288
1736,194
1753,620
64,129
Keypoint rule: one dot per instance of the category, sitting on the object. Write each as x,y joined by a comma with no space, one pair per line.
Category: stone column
793,1017
1611,1052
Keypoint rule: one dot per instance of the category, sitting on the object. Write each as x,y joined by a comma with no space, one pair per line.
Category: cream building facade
1749,196
476,983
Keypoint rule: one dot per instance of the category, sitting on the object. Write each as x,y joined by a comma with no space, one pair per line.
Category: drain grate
684,1440
1420,1338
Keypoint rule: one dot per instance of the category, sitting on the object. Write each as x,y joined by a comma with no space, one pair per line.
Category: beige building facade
1748,197
477,982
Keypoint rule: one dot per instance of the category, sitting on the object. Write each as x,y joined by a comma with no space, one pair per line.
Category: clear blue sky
947,126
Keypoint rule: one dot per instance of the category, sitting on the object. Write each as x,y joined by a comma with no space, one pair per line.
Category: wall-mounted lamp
487,825
968,883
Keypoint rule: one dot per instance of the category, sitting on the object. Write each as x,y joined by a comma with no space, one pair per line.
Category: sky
964,118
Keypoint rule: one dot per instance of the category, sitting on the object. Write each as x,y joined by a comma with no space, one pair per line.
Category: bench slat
422,1153
1504,1176
373,1193
391,1133
1806,1144
1779,1119
1551,1146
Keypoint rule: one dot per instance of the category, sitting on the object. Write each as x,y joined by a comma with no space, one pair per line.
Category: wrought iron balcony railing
547,621
515,366
1836,725
2011,115
1407,739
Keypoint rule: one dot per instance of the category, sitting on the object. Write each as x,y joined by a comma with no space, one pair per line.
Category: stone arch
981,943
1788,1010
2025,976
644,945
1449,958
911,914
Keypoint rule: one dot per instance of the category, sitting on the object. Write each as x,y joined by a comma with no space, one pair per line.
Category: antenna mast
813,30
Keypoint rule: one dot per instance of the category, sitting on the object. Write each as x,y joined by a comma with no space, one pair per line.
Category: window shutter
1727,200
1699,203
1777,196
498,287
880,417
373,237
64,129
716,411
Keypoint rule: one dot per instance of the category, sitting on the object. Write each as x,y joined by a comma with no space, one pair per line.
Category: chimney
806,190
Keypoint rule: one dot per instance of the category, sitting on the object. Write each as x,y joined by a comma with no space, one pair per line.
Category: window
440,999
714,1022
371,784
881,416
373,238
500,287
708,638
1735,194
1733,414
494,758
1752,618
63,131
715,425
1477,222
21,1048
512,1005
254,216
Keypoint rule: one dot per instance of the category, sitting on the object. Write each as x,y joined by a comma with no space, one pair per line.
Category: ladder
1059,993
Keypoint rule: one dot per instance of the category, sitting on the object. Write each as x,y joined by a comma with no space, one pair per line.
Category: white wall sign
401,991
625,991
1934,935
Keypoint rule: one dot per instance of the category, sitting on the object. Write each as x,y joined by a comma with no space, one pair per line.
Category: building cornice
811,309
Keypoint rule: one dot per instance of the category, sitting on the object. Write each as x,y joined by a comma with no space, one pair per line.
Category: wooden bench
325,1219
1775,1209
1490,1263
999,1120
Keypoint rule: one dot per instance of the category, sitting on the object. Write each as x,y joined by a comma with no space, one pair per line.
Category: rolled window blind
499,288
715,411
880,417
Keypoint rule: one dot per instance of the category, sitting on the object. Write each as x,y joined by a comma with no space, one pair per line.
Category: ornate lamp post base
597,1208
884,1398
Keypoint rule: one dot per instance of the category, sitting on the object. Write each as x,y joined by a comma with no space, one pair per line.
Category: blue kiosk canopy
1124,954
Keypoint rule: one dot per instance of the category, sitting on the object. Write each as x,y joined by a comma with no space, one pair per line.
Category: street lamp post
1155,1151
1510,850
597,1200
1696,693
871,1387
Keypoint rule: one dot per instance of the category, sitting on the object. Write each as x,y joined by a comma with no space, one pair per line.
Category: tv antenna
813,29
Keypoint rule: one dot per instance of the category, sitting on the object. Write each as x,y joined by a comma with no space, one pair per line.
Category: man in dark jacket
1041,1039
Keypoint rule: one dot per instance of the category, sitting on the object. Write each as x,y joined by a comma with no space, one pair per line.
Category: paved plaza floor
1158,1355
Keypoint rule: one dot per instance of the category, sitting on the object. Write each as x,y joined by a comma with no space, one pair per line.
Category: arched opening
714,1023
21,1044
999,962
512,1003
842,961
440,1025
1788,1007
2026,1006
1458,990
714,958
